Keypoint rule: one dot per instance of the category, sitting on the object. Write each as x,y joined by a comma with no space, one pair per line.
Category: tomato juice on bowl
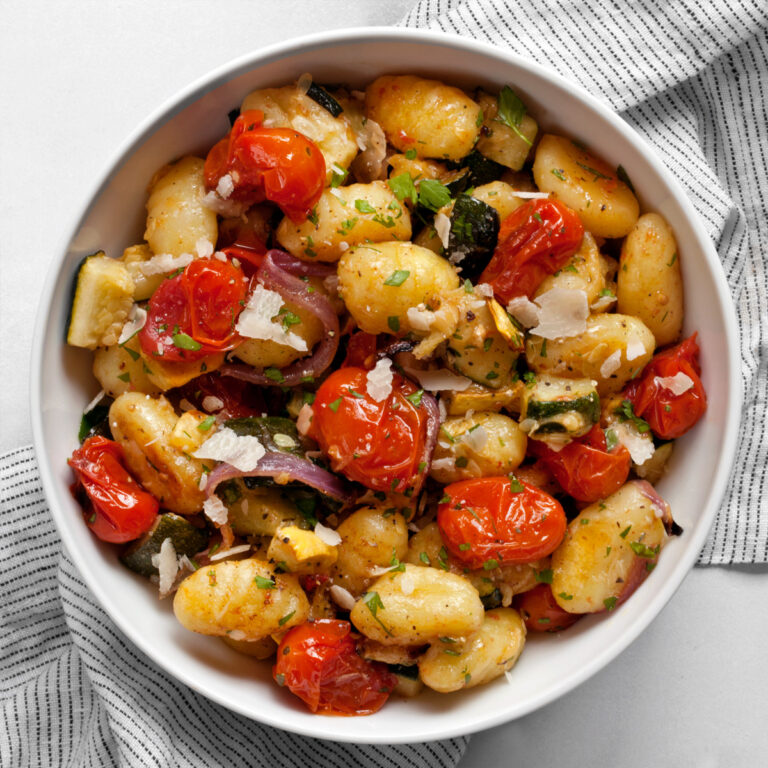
195,121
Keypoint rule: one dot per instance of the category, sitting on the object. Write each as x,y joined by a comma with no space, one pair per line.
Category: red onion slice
433,427
659,504
285,467
277,273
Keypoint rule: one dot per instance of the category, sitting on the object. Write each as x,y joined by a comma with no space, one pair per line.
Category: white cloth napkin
691,76
74,692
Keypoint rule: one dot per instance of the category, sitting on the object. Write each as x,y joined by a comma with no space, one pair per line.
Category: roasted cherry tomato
585,468
277,164
250,258
318,662
499,521
540,611
239,399
118,508
379,444
194,314
535,240
668,414
361,350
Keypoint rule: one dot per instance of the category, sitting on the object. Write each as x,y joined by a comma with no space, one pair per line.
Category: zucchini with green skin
324,99
558,409
102,302
473,235
186,539
275,433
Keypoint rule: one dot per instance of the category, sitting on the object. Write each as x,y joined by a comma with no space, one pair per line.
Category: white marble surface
75,77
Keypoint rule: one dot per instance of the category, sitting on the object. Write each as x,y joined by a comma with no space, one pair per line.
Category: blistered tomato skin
535,240
276,164
499,521
378,444
194,314
119,509
541,613
585,468
318,662
669,415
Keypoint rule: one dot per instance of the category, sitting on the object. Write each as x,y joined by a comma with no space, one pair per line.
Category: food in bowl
386,387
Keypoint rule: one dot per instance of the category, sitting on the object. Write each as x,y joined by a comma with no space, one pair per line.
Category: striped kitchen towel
74,692
691,76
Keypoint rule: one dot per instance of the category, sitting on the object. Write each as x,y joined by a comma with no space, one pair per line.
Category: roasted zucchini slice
473,235
185,537
557,409
103,299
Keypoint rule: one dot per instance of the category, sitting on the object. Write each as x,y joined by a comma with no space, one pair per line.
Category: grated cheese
611,364
212,403
485,290
241,451
677,384
563,312
530,195
225,187
443,228
215,510
342,597
237,635
635,348
135,322
420,318
164,263
379,380
222,554
203,481
327,535
167,566
407,584
203,248
255,321
304,419
96,400
640,447
434,381
476,438
524,311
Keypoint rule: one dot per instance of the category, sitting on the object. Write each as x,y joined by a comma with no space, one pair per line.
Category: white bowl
113,218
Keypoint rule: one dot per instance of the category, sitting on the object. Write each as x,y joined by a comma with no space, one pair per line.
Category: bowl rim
319,727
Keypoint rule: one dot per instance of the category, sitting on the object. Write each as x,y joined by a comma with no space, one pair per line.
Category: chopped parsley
411,154
597,174
610,603
334,406
624,533
559,173
403,188
626,412
184,341
465,546
512,111
424,557
364,206
373,603
338,175
641,550
514,484
565,596
624,176
397,278
263,583
433,194
544,576
393,321
206,424
415,397
274,374
286,618
490,564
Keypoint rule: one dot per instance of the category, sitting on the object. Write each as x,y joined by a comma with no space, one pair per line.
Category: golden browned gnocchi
373,348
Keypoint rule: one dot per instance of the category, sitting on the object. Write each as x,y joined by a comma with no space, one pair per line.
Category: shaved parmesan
677,384
407,584
304,419
96,400
212,403
225,187
215,510
202,482
204,248
223,554
304,82
420,318
603,303
564,312
136,321
255,321
611,364
483,289
476,438
379,380
241,451
530,195
164,263
342,597
434,381
635,348
443,228
524,311
237,635
327,535
228,208
446,463
640,447
167,566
